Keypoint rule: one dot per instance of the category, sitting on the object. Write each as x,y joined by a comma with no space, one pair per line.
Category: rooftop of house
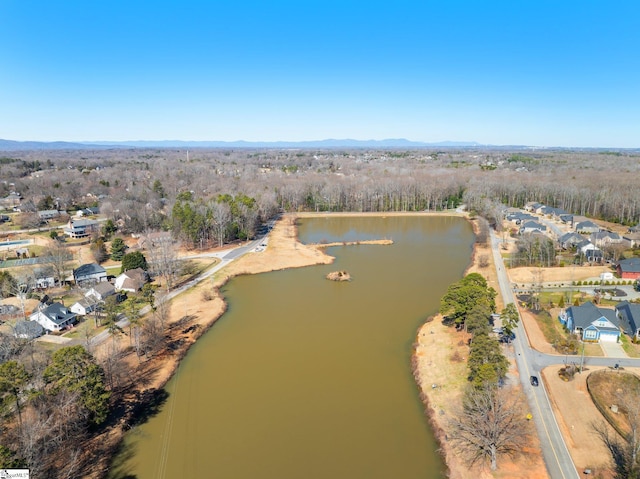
57,313
81,223
89,269
104,288
586,314
630,265
629,314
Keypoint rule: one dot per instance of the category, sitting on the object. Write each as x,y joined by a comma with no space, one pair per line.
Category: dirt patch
575,413
528,275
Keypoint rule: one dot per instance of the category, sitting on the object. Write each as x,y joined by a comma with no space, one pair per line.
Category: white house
54,317
100,291
84,306
45,282
81,228
131,281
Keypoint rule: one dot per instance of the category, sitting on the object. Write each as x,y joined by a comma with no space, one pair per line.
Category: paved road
530,362
225,257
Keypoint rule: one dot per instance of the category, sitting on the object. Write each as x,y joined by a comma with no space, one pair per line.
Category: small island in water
339,276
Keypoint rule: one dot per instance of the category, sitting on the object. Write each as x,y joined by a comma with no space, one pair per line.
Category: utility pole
582,358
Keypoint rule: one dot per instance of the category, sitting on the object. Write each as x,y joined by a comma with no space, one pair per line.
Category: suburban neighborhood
102,272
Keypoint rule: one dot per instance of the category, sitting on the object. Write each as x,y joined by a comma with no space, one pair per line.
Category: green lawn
113,270
632,350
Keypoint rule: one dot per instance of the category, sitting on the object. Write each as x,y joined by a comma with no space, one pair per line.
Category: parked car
534,380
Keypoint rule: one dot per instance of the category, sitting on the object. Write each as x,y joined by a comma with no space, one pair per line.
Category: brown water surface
308,378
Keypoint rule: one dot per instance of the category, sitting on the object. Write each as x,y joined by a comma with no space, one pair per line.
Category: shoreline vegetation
440,370
196,310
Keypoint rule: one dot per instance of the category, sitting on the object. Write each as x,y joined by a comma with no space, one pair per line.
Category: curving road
225,257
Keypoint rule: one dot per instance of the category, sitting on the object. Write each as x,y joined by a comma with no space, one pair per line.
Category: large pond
308,378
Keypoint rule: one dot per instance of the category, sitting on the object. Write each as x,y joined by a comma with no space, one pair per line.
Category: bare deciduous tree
489,424
58,257
163,257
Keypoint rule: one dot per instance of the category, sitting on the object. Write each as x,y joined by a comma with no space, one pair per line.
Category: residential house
132,280
531,227
533,206
589,251
629,268
551,211
81,228
44,278
100,291
46,215
155,238
585,245
53,317
11,200
510,210
602,239
519,218
90,272
84,306
26,207
629,316
587,227
93,210
557,213
28,330
569,240
594,255
631,239
566,218
591,323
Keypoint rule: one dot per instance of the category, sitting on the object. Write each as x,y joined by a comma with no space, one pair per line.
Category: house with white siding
53,317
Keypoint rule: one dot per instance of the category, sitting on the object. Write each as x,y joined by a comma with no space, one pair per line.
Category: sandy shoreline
191,315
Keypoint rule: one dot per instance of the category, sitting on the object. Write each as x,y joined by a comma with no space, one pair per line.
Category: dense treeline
210,197
49,403
490,422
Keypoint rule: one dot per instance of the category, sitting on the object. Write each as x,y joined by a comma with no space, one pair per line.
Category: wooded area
208,196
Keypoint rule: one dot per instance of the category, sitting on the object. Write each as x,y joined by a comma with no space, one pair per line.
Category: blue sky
543,72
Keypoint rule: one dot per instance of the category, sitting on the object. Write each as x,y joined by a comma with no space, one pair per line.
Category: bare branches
489,424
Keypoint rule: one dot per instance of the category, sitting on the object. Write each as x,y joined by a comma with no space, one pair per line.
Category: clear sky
532,72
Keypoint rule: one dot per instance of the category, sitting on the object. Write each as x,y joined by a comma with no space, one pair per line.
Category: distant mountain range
10,145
